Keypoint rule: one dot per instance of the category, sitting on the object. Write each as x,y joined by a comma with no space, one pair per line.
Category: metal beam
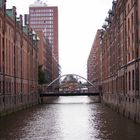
69,94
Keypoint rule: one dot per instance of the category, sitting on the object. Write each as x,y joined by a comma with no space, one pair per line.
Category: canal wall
13,103
124,104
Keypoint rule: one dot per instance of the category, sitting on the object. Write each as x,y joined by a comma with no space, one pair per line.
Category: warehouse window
129,80
133,80
137,79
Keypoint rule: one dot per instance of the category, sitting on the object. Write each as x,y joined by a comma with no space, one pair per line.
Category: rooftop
38,3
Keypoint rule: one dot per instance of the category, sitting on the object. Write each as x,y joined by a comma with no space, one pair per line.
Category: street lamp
33,36
33,59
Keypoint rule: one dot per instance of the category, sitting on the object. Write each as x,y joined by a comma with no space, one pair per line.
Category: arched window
132,20
128,24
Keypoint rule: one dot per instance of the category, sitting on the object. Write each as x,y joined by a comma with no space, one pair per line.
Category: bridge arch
89,84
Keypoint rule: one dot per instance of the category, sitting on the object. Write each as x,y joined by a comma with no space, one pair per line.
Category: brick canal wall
125,105
9,104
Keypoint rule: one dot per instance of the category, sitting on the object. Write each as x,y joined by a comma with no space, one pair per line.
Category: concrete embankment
124,104
13,103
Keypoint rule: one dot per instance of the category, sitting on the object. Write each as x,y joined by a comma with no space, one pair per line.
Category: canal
68,118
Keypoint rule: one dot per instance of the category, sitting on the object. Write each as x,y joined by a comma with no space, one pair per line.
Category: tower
45,18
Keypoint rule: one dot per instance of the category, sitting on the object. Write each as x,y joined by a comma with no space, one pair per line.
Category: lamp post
35,43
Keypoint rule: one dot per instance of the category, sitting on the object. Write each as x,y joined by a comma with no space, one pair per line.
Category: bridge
70,85
68,94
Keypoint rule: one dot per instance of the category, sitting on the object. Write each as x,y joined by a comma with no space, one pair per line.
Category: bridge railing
45,89
68,94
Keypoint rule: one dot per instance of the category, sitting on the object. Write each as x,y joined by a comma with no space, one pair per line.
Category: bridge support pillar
40,100
100,97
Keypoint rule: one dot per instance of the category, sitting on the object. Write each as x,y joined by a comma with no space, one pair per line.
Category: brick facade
120,49
44,18
94,63
45,56
18,59
119,43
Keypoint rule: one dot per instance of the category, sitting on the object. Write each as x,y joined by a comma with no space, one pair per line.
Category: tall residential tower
45,18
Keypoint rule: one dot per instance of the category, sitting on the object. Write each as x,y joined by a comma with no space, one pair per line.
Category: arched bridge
70,85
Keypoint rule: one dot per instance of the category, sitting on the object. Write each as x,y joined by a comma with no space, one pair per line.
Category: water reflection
73,118
68,118
111,126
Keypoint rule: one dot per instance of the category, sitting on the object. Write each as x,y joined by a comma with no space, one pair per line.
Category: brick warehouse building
120,49
94,63
18,62
45,56
45,18
119,43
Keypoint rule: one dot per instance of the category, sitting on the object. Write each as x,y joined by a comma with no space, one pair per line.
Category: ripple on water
68,119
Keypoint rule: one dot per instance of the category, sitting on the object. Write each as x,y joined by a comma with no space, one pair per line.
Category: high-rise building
45,18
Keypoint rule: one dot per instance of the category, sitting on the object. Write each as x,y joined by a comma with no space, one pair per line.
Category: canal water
68,118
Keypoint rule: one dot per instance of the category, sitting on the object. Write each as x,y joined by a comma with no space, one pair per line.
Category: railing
69,94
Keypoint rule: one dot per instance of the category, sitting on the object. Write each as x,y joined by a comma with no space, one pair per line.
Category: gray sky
78,23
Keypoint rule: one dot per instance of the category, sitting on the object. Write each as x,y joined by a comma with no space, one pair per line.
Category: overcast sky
78,23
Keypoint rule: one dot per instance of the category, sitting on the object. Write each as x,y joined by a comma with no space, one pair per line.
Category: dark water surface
68,118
